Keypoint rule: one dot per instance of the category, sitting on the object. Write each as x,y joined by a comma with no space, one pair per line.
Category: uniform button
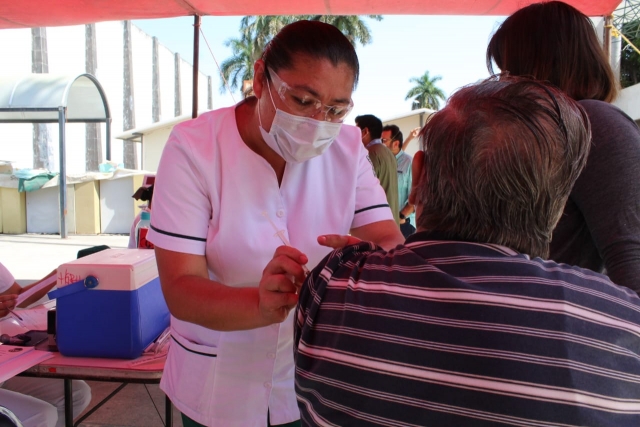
267,385
271,355
280,213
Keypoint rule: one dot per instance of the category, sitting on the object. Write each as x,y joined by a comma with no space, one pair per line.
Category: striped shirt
452,333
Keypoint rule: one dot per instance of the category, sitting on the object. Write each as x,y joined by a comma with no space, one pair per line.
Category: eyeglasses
390,140
302,104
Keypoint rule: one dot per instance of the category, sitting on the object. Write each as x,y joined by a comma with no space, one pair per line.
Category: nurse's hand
281,280
7,302
337,241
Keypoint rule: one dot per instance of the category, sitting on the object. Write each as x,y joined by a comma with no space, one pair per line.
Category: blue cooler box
109,304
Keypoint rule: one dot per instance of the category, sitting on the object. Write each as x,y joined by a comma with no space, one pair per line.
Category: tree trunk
93,143
177,110
156,106
128,110
42,149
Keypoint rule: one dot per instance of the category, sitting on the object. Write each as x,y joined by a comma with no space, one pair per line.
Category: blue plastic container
114,309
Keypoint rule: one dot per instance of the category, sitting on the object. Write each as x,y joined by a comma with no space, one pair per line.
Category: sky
452,47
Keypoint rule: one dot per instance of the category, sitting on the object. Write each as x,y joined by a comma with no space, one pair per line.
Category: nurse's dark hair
312,38
554,42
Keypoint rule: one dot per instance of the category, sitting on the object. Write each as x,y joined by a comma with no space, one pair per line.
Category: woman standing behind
282,160
600,226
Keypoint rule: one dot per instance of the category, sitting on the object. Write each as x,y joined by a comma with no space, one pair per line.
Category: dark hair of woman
315,39
555,42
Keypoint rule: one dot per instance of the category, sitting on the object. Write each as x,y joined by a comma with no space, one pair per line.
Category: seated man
467,323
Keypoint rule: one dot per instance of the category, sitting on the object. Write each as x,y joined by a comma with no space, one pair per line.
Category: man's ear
259,78
417,167
396,144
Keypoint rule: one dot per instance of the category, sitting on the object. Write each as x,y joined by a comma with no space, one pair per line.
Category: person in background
412,135
384,164
37,402
231,187
468,323
145,194
391,137
600,226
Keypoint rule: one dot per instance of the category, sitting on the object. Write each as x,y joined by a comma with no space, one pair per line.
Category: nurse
230,184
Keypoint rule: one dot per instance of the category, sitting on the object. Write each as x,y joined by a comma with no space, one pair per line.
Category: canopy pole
108,136
196,65
62,177
606,42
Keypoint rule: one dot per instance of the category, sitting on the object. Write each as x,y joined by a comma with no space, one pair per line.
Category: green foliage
425,93
630,59
257,31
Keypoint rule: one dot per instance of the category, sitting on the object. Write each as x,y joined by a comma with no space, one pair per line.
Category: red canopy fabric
48,13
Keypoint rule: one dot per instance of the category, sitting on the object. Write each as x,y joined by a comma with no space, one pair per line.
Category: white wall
629,101
406,125
142,75
153,145
66,54
16,139
167,78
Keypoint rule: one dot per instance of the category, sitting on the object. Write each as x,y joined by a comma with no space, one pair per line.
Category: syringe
283,238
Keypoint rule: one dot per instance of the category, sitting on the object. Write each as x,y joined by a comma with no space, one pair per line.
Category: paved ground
32,256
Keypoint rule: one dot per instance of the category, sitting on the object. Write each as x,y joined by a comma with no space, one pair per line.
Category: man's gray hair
500,161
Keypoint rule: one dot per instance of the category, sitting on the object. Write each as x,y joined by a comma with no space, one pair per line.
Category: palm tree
425,93
239,67
257,31
261,29
352,26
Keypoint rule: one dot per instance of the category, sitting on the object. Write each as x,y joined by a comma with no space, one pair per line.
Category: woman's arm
193,297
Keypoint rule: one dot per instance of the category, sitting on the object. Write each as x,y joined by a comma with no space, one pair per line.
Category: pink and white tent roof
43,13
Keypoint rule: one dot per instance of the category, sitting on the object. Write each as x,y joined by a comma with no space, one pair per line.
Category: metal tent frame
50,98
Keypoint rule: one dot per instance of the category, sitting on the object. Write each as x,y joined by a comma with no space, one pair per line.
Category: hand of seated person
337,241
7,302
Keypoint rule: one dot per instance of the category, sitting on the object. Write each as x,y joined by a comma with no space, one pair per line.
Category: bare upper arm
172,266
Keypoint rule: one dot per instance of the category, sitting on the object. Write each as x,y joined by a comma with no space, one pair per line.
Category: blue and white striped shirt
451,333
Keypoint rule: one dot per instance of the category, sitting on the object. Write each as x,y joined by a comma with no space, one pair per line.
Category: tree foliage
425,93
630,59
257,31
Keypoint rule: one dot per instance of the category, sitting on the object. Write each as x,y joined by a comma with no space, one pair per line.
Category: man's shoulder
382,152
351,253
404,161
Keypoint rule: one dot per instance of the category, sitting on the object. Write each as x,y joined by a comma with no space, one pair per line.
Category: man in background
467,323
383,161
391,137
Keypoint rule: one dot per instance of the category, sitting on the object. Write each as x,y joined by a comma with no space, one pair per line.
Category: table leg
68,403
168,411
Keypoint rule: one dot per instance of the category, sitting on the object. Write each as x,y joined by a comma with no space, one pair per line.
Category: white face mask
297,139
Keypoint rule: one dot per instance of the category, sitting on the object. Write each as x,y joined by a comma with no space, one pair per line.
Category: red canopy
46,13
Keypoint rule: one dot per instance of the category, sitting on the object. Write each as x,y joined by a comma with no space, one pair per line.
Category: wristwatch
402,216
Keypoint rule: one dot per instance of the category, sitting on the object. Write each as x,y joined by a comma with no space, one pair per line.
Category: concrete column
93,143
156,105
128,110
42,149
209,94
177,111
